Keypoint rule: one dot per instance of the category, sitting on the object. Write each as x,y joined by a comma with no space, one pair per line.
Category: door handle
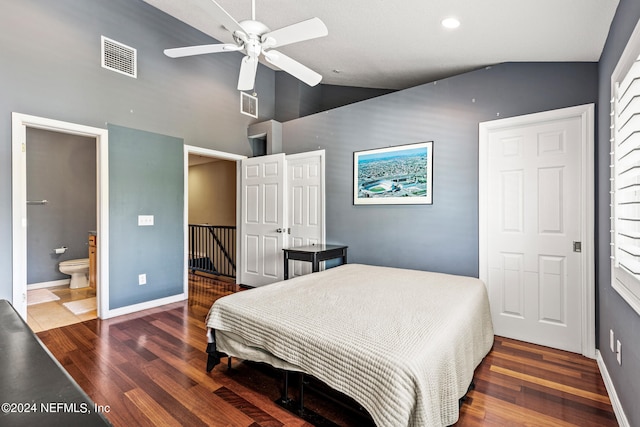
283,230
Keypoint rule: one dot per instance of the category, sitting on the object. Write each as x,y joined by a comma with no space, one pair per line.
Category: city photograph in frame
394,175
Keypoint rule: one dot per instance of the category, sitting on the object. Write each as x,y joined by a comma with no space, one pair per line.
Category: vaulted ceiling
398,44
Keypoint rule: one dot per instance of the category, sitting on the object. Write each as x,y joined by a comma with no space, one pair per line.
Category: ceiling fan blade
247,77
293,67
221,15
305,30
179,52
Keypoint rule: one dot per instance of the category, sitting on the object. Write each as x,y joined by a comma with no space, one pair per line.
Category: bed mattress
402,343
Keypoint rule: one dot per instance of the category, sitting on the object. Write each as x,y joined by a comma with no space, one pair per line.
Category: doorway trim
191,149
586,115
19,124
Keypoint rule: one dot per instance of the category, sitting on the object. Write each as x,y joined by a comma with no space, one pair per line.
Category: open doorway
61,233
20,124
211,206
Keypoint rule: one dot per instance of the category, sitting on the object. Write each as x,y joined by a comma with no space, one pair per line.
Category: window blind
625,176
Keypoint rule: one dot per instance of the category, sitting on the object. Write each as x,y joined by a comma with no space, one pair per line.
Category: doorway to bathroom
62,222
59,205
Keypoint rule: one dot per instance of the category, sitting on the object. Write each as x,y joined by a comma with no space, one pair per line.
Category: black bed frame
297,407
304,381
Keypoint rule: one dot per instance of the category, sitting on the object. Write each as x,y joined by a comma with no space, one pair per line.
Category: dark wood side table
314,254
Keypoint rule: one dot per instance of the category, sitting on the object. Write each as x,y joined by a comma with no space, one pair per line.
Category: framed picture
394,175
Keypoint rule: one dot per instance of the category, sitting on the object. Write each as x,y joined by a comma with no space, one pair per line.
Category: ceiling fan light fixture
255,39
451,23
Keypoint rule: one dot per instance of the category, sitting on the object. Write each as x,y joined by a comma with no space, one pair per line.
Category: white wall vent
249,105
119,57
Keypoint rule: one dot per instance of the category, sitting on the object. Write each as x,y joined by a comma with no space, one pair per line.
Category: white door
262,219
305,190
532,206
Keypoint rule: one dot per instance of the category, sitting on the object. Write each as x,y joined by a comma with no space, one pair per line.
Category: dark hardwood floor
148,369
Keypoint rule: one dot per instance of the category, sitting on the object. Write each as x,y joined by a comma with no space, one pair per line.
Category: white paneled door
533,212
305,190
282,205
262,225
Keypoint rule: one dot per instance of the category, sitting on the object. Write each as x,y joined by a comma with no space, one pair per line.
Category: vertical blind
625,175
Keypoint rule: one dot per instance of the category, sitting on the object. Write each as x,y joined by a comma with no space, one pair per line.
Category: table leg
286,266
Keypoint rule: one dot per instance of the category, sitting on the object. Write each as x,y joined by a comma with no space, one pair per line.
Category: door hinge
24,147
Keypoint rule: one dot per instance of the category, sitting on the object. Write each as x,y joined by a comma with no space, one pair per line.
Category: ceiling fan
253,38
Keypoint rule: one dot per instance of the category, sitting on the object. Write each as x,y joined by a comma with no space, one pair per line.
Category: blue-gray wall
614,313
443,236
50,67
61,169
146,177
296,99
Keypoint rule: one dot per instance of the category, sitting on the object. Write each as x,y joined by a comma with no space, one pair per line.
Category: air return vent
248,105
118,57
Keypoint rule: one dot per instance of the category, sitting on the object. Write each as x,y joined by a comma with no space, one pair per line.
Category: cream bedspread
402,343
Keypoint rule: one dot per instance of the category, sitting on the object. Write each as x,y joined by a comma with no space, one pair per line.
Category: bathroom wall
212,193
61,169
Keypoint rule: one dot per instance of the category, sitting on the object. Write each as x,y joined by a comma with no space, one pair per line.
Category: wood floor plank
148,368
152,409
581,412
195,370
549,373
500,413
226,415
258,415
540,364
164,398
552,384
220,412
60,343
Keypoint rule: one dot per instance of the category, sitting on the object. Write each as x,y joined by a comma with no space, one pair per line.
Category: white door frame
19,124
191,149
586,115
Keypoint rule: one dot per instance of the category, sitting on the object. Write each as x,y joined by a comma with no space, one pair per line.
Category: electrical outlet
612,342
145,220
142,279
618,352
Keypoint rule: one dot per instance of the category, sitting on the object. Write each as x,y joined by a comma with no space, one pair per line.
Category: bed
402,343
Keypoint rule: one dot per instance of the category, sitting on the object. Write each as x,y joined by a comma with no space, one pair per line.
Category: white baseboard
143,306
50,284
613,396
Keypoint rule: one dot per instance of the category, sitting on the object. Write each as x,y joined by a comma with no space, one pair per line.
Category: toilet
78,269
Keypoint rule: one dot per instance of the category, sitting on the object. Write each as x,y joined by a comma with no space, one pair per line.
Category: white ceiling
398,44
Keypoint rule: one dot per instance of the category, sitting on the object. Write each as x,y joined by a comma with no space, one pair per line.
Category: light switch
145,220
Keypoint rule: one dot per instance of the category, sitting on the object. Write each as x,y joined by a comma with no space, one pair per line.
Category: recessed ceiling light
450,23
